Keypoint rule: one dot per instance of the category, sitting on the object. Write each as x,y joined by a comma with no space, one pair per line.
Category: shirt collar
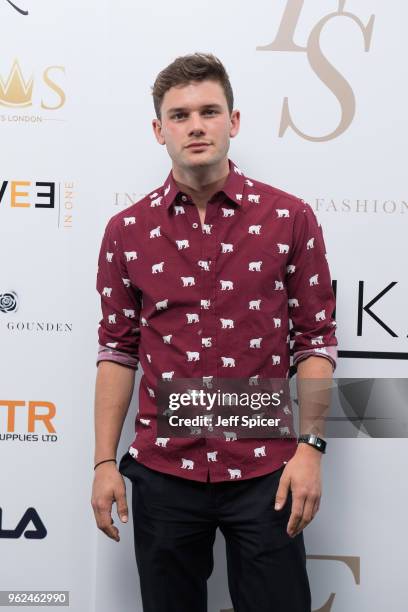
233,186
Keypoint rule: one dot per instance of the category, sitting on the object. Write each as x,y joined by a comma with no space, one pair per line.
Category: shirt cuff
107,354
330,354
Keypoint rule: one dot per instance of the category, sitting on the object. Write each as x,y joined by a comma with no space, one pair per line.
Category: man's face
196,113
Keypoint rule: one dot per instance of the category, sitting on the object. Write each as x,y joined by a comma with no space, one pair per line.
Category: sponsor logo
31,421
365,309
366,206
19,91
8,302
30,516
324,70
123,199
38,326
57,197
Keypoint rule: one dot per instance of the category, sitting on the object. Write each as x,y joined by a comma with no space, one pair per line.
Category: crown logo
16,91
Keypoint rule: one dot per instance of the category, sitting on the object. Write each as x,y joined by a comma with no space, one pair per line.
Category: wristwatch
313,440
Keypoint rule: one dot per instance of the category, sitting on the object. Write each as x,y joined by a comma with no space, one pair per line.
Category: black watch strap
313,440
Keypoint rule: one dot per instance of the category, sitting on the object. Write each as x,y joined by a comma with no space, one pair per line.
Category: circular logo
8,301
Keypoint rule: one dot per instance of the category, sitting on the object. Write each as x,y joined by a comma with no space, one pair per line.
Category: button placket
208,281
208,353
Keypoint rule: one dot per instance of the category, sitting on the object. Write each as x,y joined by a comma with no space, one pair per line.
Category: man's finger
316,506
112,532
104,521
307,515
281,493
296,514
121,507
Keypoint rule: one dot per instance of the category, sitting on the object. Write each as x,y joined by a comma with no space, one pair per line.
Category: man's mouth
197,145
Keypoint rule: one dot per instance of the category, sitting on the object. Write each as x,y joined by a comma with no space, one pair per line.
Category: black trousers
175,522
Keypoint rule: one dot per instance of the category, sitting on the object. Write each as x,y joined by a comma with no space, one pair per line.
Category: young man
208,246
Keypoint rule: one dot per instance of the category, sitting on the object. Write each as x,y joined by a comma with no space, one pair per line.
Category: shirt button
195,225
184,198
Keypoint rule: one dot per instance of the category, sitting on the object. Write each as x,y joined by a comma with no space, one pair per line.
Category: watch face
314,440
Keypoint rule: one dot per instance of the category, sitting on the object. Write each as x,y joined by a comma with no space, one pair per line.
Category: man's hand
302,475
108,487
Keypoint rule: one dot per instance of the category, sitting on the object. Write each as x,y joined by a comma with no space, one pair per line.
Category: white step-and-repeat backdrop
322,88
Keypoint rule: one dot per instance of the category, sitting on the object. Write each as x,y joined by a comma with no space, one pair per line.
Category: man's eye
210,110
178,115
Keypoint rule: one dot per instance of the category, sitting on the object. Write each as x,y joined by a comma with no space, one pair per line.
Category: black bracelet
314,440
104,462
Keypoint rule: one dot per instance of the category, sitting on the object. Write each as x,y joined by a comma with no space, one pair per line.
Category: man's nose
196,124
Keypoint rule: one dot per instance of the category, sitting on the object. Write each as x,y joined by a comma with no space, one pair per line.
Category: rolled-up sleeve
311,299
119,328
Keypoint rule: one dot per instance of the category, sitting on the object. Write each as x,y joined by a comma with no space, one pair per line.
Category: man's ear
157,129
235,123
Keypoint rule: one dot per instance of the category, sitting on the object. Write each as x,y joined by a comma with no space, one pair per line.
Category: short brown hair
192,67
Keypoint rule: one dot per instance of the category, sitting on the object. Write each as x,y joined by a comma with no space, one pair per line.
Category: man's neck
202,183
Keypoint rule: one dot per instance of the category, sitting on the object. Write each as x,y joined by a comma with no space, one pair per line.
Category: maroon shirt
168,285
